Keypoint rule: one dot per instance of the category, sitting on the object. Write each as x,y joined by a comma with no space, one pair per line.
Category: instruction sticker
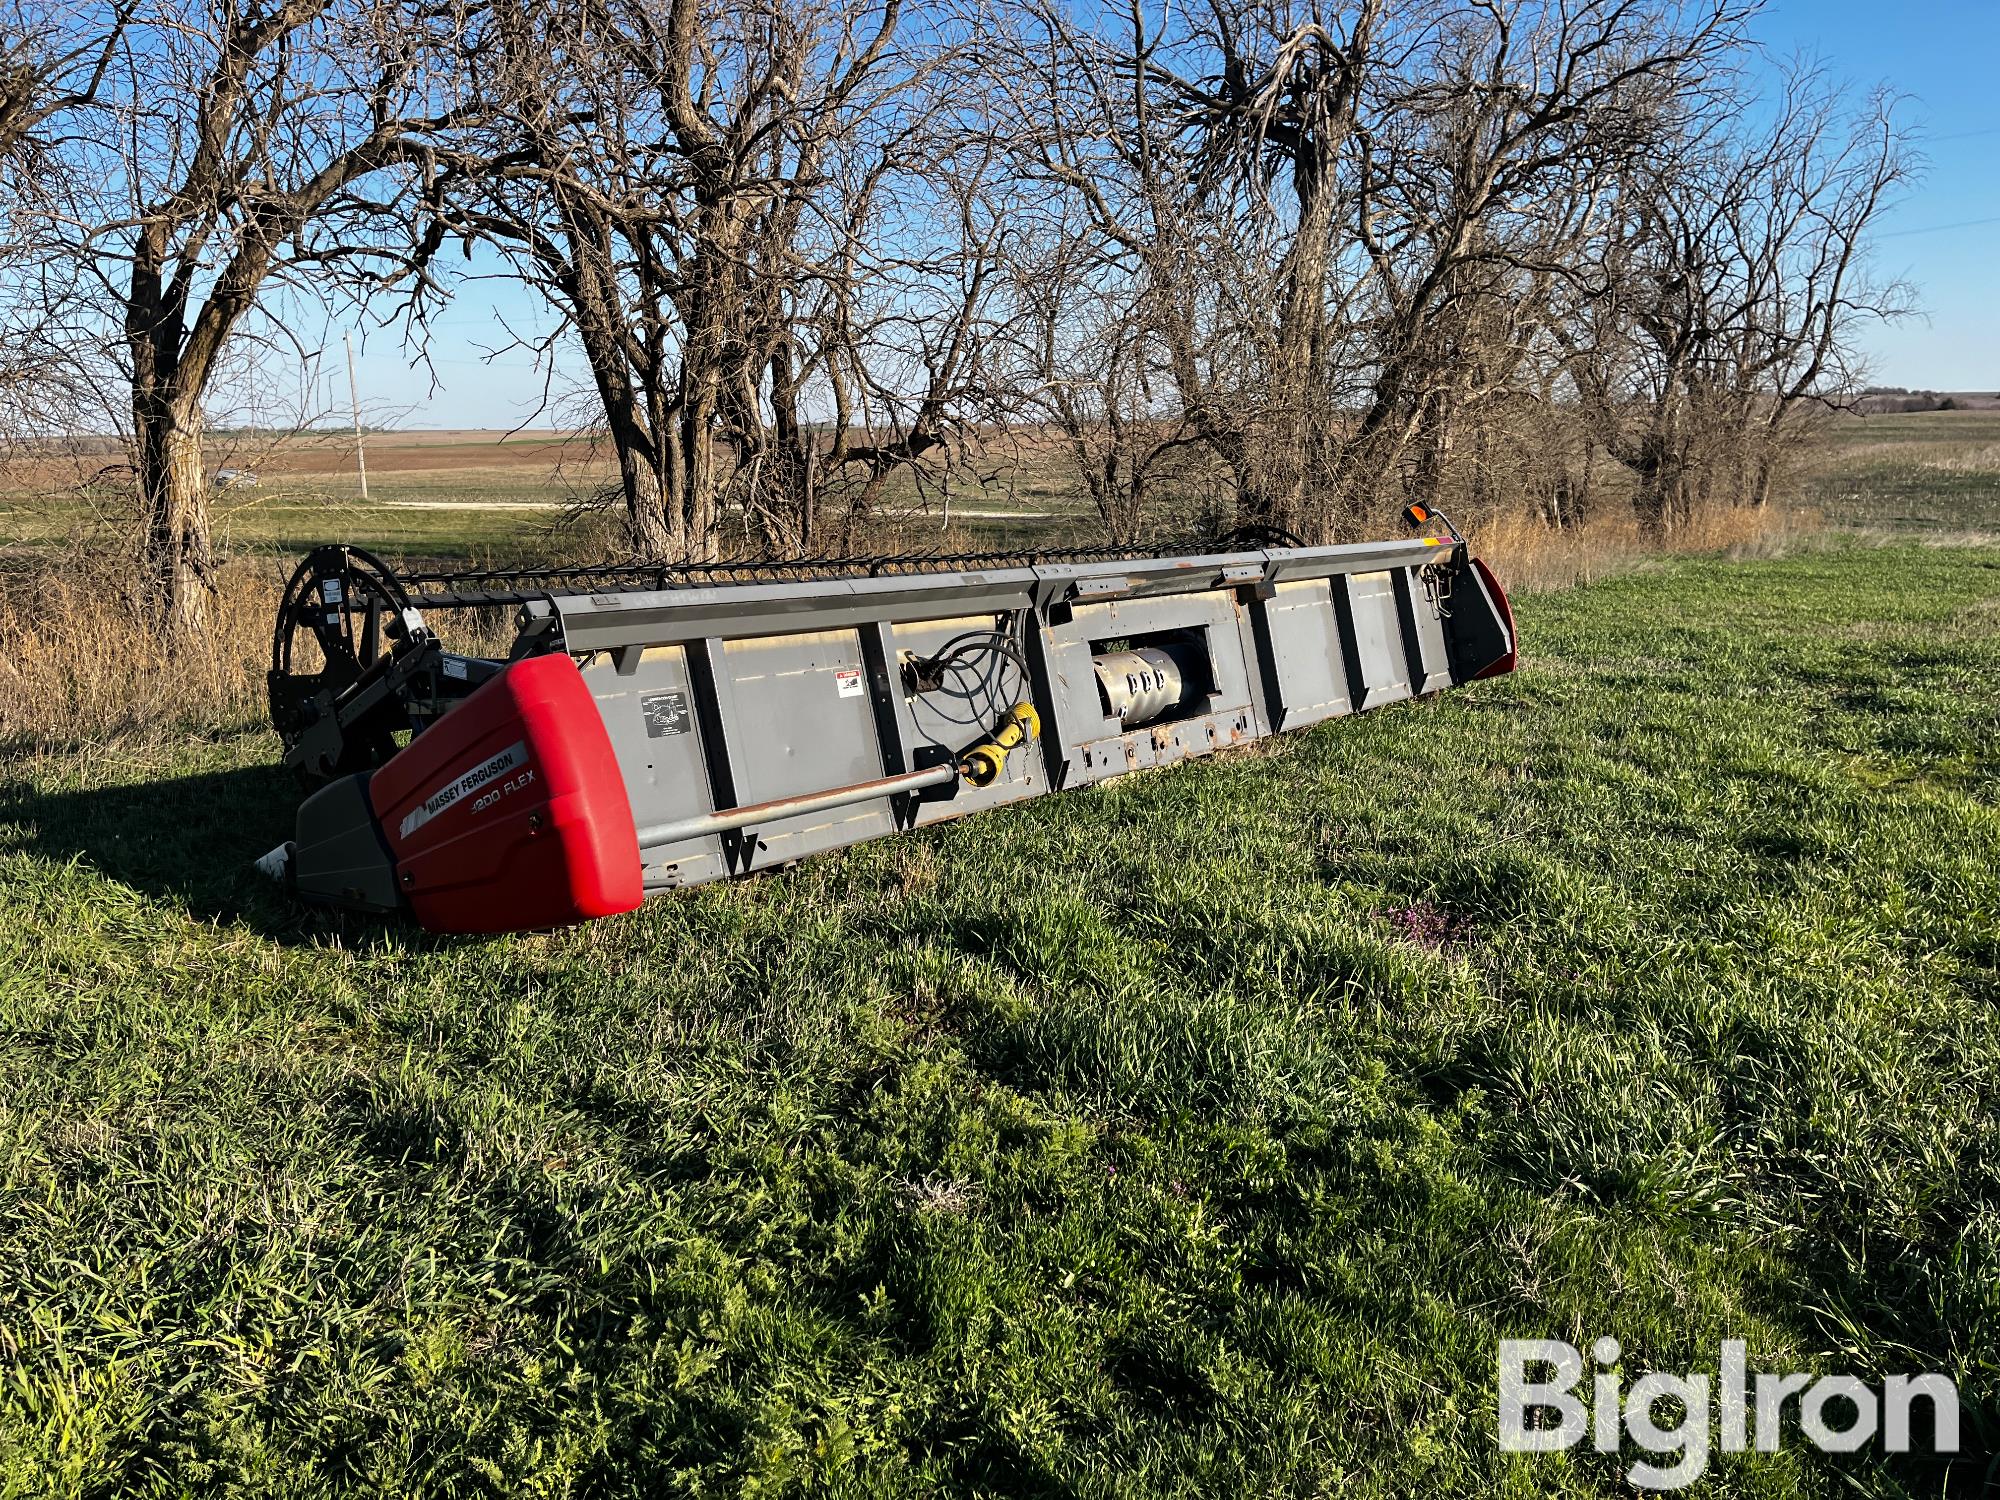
469,781
666,713
849,681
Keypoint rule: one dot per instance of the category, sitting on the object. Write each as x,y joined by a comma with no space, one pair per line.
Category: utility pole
354,401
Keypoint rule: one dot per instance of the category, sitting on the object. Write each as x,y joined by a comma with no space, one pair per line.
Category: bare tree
1740,284
1248,261
1316,209
765,237
238,147
53,62
1079,365
1137,245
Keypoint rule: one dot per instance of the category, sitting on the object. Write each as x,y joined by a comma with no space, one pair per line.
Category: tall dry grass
78,668
1530,557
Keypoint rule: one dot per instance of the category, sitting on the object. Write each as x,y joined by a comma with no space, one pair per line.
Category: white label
454,666
466,781
849,679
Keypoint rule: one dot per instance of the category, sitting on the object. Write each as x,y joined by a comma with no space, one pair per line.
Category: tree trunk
794,475
1660,498
697,511
1763,471
646,528
176,565
1437,435
1283,483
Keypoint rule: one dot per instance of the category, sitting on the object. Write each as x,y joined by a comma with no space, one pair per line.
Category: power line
1892,234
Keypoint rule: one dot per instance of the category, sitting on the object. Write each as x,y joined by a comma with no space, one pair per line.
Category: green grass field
1199,1135
1909,472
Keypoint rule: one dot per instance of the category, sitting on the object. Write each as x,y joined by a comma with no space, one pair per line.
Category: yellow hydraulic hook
982,764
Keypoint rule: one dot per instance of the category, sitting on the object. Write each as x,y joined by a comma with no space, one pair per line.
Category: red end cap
1506,663
510,812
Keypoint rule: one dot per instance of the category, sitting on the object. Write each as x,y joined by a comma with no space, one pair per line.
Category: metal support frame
734,819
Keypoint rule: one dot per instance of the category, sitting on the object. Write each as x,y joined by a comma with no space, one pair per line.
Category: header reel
353,665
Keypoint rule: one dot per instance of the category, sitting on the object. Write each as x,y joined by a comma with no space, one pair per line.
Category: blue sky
1944,56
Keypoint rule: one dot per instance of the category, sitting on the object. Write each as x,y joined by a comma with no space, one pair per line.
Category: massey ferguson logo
463,785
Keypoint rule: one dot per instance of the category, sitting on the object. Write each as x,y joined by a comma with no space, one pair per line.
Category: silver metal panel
1163,744
663,616
1378,658
650,711
660,616
806,723
965,711
1356,557
1098,746
1308,673
1433,655
1073,689
1289,637
1085,583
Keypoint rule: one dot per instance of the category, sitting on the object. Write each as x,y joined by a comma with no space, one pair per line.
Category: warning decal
468,781
666,713
849,681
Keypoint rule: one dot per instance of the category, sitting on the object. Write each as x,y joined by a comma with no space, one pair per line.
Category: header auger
652,727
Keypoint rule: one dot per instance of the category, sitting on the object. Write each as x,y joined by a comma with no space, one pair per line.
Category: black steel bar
715,709
878,655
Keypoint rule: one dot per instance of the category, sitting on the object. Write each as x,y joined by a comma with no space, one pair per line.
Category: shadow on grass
190,840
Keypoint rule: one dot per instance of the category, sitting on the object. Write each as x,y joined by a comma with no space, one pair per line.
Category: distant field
469,494
1195,1136
485,495
1917,472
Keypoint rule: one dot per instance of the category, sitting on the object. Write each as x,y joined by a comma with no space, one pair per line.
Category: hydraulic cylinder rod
728,819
